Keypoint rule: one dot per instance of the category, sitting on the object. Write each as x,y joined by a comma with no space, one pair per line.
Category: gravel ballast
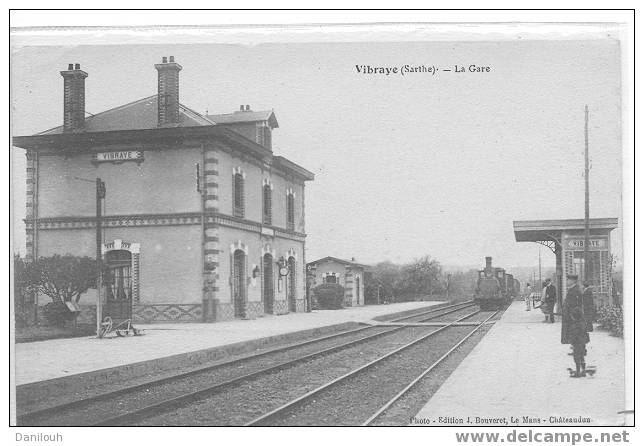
248,400
252,397
92,412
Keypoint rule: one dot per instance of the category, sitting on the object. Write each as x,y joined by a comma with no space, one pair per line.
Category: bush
329,296
57,314
62,278
611,318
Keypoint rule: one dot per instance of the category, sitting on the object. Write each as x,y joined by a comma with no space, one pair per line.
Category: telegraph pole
586,204
540,279
100,195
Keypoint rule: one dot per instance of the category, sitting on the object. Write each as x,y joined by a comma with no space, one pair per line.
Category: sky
405,166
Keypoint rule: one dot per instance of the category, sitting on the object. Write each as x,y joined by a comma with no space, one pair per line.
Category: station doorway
269,284
118,301
239,283
292,285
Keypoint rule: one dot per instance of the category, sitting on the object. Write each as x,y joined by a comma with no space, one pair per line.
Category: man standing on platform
527,296
550,298
573,325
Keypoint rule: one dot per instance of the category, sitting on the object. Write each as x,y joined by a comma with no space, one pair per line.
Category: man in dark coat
550,298
573,325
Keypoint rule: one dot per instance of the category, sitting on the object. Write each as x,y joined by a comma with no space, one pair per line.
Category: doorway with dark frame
118,293
292,285
268,284
239,283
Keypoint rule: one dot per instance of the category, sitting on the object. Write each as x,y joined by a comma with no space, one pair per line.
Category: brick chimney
168,92
73,98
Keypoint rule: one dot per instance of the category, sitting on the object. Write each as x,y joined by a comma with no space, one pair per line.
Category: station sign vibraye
118,156
576,244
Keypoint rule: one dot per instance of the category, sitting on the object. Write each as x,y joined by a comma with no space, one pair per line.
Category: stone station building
202,221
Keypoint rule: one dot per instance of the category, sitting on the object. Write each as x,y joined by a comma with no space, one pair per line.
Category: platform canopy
549,230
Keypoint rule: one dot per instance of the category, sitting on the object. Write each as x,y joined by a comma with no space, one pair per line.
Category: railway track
239,405
118,400
313,406
396,398
450,309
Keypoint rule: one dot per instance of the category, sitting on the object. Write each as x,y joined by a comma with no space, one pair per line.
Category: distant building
349,274
202,221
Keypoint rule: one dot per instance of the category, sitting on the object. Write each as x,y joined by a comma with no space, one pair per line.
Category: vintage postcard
323,225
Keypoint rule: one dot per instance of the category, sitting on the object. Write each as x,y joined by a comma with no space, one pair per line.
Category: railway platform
58,358
517,375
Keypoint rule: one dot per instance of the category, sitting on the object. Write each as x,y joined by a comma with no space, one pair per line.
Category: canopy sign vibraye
565,238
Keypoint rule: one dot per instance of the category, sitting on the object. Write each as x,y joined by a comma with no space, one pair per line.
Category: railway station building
202,221
349,274
565,238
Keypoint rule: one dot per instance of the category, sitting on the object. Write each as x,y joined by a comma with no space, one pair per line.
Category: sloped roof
543,230
335,259
137,115
138,120
245,116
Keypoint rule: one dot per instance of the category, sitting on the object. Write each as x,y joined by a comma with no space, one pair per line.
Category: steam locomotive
494,287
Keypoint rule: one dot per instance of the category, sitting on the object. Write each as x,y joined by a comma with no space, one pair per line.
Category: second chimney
168,92
73,98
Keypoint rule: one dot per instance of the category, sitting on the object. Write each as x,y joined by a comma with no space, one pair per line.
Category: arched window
267,204
238,194
290,211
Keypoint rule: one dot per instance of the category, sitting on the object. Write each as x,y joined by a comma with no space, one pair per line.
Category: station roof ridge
339,260
139,114
245,116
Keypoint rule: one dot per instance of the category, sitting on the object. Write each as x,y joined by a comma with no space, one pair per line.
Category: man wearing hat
574,330
549,299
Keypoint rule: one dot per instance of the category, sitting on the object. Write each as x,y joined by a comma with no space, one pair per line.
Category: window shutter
241,195
268,211
290,212
238,195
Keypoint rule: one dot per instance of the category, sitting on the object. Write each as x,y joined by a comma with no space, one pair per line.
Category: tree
383,279
398,283
462,284
62,278
20,291
422,277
